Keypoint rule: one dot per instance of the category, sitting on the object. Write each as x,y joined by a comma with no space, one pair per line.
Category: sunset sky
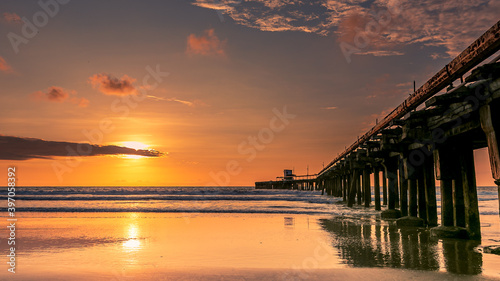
224,91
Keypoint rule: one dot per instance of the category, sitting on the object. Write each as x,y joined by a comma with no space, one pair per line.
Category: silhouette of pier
364,244
430,136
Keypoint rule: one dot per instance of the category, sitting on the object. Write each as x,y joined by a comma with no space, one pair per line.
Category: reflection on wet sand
382,244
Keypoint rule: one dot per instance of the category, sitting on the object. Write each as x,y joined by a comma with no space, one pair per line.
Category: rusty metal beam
478,51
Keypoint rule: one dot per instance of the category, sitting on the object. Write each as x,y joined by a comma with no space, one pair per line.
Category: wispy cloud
330,108
20,148
12,18
207,44
185,102
217,5
404,85
381,53
60,95
110,85
4,66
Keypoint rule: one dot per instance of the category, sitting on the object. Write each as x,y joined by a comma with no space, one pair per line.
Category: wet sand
154,246
246,274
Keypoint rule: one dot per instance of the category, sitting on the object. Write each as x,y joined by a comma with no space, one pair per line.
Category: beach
150,246
318,240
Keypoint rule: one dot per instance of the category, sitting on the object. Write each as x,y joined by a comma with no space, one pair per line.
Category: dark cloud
110,85
58,94
17,148
54,94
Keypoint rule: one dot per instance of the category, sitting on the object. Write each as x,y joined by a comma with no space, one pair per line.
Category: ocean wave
89,190
199,200
308,199
155,210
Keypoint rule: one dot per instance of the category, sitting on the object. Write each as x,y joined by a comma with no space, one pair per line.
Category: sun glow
135,145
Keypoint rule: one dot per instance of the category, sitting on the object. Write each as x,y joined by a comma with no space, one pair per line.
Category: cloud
82,102
217,5
53,94
330,107
19,148
392,24
4,66
404,85
110,85
188,103
207,44
185,102
12,18
381,53
60,95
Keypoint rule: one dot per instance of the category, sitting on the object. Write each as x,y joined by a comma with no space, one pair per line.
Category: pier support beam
340,191
458,195
403,183
422,204
358,189
384,187
412,186
344,188
348,178
366,187
418,171
444,173
466,162
330,186
391,165
430,191
490,123
455,168
353,188
376,186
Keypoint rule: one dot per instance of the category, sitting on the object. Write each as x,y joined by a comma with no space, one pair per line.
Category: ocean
202,200
175,200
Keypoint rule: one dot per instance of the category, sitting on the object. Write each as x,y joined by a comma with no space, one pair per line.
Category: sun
135,145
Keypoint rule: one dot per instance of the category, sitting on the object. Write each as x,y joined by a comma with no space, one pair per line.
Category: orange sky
200,88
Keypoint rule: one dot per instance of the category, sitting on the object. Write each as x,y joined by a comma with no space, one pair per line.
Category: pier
430,136
290,181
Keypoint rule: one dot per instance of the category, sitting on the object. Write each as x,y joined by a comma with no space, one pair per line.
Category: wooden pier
430,136
307,182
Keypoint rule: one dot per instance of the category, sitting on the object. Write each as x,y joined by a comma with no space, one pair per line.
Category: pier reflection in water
364,243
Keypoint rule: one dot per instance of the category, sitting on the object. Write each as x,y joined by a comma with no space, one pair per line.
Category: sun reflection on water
133,242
